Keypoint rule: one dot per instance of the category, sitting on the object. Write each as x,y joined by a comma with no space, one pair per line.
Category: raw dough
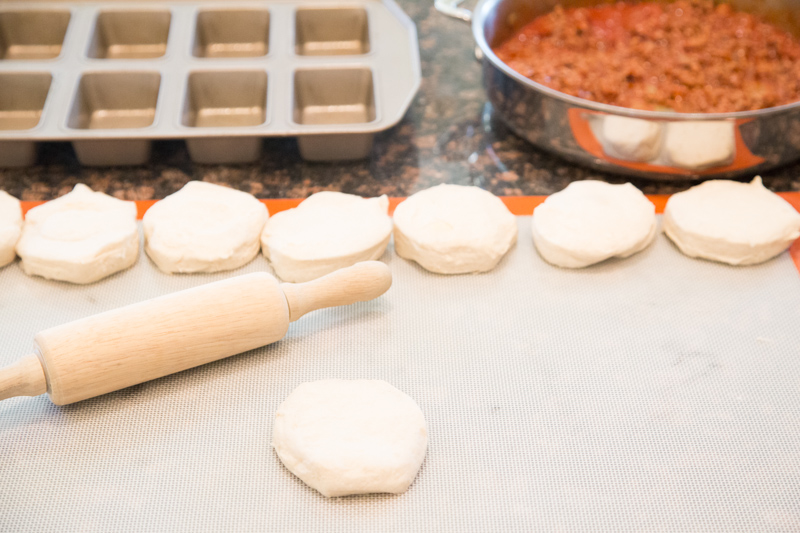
81,237
731,222
10,227
454,229
351,437
631,139
591,221
695,145
326,232
204,228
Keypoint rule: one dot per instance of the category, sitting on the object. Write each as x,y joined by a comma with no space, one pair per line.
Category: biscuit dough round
80,237
326,232
10,227
351,437
731,222
454,229
204,228
591,221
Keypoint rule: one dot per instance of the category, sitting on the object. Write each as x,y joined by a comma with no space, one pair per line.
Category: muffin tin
112,77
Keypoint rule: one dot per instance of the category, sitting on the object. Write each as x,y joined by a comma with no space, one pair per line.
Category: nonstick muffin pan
112,77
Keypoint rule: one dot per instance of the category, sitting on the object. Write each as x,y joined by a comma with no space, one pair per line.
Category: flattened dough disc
454,229
81,237
731,222
351,437
10,227
591,221
326,232
204,228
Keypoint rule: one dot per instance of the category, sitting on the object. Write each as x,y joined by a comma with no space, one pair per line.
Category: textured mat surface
654,393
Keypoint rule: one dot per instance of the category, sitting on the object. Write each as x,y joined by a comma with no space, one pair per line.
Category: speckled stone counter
448,136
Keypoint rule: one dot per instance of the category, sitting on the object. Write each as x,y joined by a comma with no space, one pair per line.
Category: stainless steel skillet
669,145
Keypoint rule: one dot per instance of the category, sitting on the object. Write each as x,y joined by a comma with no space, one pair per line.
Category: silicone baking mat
648,394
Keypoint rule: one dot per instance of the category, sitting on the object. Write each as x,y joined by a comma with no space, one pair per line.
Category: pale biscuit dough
351,437
695,145
204,228
454,229
10,227
80,237
731,222
326,232
591,221
631,139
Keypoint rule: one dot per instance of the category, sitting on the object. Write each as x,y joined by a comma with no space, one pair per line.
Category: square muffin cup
334,96
22,99
114,100
230,33
225,99
130,34
32,35
329,31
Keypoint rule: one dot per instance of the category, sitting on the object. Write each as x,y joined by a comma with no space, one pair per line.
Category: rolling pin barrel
144,341
151,339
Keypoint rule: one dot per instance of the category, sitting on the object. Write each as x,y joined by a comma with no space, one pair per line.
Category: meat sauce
689,56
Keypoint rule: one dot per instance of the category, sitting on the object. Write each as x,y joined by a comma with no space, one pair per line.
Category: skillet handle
451,9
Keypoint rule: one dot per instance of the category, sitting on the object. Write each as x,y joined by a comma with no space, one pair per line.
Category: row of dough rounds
719,220
85,236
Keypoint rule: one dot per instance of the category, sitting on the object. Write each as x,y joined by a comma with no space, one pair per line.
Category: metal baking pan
113,76
573,127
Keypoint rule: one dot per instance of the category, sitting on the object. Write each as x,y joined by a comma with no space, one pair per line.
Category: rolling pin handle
23,378
358,283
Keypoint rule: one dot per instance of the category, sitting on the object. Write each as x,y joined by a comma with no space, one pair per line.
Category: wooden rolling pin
151,339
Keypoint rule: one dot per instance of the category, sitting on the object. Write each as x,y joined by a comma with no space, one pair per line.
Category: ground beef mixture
687,56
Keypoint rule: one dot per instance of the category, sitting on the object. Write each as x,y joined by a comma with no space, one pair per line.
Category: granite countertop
448,136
